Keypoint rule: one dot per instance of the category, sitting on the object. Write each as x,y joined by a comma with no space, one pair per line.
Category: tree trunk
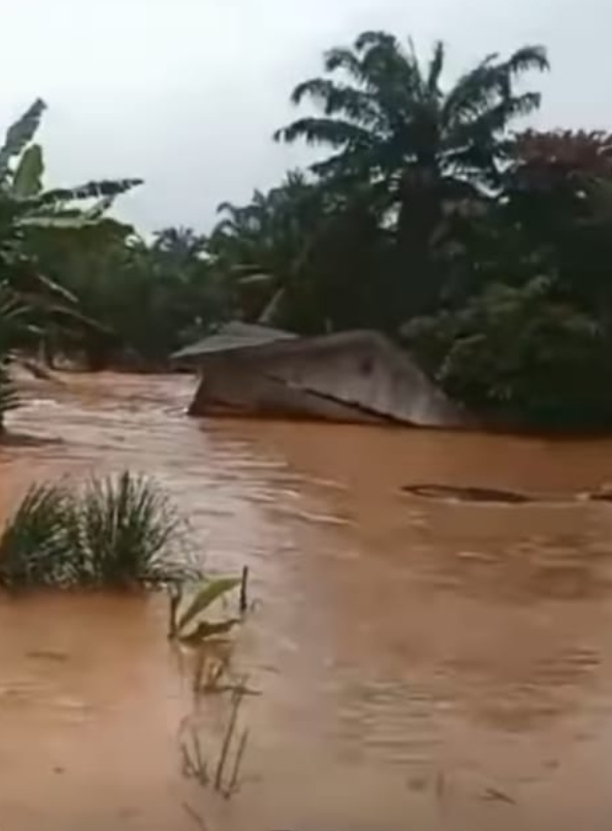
419,216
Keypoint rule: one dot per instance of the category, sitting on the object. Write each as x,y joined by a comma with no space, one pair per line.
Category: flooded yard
422,664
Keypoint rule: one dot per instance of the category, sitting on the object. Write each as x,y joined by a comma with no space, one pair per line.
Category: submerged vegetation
429,213
117,532
186,625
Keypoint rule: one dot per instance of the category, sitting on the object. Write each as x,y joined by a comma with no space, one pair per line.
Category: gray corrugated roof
231,337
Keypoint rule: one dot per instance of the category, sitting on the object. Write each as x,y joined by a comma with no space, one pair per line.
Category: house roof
232,337
379,379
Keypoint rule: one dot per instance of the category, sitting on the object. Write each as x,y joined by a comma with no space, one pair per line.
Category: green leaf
206,629
27,180
98,210
206,597
90,190
37,290
20,134
56,223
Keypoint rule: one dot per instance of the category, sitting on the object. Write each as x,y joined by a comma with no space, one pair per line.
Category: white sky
186,93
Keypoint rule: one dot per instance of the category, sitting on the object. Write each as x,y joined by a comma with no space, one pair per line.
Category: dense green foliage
10,313
151,297
522,352
526,330
485,251
116,532
32,306
416,147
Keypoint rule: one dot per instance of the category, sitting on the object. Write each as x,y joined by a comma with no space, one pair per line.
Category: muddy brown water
422,664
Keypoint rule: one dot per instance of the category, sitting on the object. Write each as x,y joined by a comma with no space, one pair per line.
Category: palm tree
268,233
262,245
419,144
180,244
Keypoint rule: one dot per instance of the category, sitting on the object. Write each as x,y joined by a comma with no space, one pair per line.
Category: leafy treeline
427,214
33,306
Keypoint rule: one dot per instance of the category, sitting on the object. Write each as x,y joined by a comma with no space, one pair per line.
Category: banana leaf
207,595
19,135
206,629
27,180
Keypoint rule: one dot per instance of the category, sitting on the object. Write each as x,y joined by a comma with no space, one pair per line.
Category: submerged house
357,376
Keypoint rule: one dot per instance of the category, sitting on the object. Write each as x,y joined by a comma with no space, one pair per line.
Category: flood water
422,664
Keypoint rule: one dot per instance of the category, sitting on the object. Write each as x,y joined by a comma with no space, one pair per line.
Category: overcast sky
186,93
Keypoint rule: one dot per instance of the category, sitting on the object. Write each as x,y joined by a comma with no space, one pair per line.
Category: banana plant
21,181
12,323
28,209
187,626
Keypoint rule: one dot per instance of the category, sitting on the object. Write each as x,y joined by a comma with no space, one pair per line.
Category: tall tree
262,244
420,145
306,256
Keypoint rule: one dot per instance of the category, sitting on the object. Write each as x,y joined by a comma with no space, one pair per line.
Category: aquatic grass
115,532
187,627
194,765
127,532
34,547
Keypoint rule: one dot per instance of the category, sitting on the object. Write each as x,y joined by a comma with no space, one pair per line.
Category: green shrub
34,543
126,531
523,354
118,532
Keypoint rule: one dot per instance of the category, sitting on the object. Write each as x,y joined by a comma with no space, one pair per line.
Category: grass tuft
118,532
127,531
33,545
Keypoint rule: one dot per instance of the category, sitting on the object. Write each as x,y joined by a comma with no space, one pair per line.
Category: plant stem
243,590
227,739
